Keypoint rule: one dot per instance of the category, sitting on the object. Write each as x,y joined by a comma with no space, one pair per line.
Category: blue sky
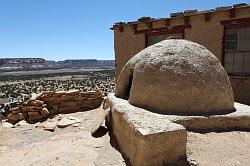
77,29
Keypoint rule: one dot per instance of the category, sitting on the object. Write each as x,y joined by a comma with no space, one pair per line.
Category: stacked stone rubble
34,110
71,101
52,103
16,114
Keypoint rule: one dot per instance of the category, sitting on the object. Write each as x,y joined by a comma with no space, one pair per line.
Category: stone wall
51,103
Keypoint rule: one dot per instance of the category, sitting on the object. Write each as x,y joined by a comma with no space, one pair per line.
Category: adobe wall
127,44
205,32
241,88
210,34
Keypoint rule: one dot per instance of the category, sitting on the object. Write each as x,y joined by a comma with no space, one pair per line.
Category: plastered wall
208,33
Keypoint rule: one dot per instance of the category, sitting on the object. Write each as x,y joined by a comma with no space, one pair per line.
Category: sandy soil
219,149
31,145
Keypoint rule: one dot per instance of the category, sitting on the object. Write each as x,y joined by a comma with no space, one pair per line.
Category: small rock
16,110
14,118
22,123
7,125
64,122
45,112
60,116
76,124
50,125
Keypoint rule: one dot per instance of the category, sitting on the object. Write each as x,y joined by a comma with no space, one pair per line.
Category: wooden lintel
121,28
173,29
207,16
232,13
186,19
167,22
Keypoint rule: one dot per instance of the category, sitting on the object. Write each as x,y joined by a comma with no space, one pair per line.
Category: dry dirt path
31,145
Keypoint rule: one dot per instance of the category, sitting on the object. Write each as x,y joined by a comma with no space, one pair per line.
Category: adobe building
225,31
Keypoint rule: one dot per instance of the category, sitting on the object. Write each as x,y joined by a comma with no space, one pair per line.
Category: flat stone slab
50,125
99,121
148,138
64,122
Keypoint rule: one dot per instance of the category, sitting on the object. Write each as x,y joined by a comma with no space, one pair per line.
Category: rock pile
71,101
15,115
51,103
34,110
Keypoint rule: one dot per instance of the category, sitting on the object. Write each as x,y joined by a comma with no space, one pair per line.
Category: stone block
148,138
45,112
148,145
14,118
15,110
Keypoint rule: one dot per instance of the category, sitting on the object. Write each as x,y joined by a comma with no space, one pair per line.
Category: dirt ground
31,145
219,149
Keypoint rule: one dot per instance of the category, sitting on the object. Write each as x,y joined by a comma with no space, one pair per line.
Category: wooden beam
207,17
164,29
232,13
167,22
236,23
121,28
186,19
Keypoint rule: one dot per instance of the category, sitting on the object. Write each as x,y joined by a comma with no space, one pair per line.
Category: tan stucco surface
147,138
176,76
208,34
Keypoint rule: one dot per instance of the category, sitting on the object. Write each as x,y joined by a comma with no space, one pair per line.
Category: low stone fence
51,103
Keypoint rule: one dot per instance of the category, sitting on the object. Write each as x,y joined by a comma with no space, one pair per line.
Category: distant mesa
15,64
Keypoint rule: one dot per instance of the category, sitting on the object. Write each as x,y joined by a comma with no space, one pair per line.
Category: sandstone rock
76,125
73,92
48,93
70,103
176,77
7,125
33,113
25,108
60,92
50,125
1,117
14,118
44,112
15,110
38,103
35,109
38,96
25,103
64,122
22,123
99,121
34,118
48,99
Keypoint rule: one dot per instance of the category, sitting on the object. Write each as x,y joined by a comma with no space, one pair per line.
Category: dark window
231,41
237,51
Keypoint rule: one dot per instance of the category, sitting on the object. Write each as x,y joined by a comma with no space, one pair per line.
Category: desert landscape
16,86
65,139
164,91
